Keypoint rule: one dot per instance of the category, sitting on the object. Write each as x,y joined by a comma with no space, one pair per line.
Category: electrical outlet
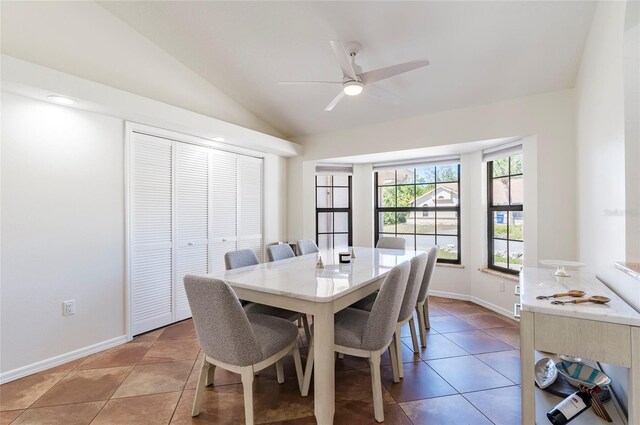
69,308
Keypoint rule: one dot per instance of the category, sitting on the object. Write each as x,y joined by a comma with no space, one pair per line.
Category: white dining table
297,284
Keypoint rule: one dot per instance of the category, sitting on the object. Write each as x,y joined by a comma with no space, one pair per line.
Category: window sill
453,266
500,274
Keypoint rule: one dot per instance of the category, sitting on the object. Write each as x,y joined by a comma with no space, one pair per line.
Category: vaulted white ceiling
479,51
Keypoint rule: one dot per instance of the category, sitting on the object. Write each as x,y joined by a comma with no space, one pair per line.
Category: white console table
608,333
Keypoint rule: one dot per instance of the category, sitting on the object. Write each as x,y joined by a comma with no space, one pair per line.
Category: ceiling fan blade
380,74
335,101
380,93
343,59
310,82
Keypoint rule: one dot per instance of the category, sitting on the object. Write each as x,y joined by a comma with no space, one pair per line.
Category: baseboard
452,295
476,300
30,369
492,307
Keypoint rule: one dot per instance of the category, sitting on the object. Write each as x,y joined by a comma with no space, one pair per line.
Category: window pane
341,242
325,222
425,195
500,253
341,180
424,243
426,175
387,222
447,173
500,191
341,223
411,242
500,224
516,164
325,242
516,255
426,222
448,247
386,177
446,195
402,218
447,222
406,196
516,225
405,222
387,196
501,167
341,197
323,197
516,187
323,180
404,175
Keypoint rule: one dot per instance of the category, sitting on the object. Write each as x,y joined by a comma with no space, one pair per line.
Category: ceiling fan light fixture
352,88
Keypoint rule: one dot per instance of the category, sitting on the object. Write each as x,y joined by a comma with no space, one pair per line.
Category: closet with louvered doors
188,205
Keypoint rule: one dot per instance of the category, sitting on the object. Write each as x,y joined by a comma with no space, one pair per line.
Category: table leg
527,360
634,378
324,364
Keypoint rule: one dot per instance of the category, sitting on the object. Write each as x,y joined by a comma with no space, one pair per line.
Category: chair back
418,265
382,320
240,258
390,242
428,272
306,246
222,326
279,252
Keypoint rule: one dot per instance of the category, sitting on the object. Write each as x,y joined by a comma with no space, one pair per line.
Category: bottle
572,406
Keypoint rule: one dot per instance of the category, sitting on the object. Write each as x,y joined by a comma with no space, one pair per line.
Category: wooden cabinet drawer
598,341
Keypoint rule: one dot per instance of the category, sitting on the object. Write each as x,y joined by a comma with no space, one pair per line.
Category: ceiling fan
354,81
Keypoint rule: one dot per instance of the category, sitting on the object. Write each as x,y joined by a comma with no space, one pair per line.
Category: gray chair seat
273,333
349,325
366,303
254,308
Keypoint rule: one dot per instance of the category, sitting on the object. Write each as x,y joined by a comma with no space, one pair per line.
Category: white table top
540,281
299,278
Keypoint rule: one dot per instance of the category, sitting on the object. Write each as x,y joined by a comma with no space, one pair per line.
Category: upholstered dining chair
418,264
306,246
390,242
422,304
246,257
236,341
279,252
368,334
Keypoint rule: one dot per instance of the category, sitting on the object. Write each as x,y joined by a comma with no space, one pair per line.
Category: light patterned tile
142,410
22,393
68,414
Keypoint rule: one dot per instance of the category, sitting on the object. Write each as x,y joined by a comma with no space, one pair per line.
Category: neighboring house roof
389,176
430,195
500,194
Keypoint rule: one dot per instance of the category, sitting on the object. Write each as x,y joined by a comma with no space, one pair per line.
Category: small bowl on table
581,374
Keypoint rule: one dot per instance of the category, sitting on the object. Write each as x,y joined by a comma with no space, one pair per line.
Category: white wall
546,121
600,134
63,231
86,40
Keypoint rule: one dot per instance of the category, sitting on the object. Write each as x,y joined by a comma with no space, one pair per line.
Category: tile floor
468,374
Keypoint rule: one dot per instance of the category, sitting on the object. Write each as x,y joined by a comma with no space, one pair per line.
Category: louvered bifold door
191,219
250,204
150,271
223,207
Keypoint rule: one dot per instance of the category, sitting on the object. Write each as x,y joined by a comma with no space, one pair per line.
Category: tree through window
421,205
